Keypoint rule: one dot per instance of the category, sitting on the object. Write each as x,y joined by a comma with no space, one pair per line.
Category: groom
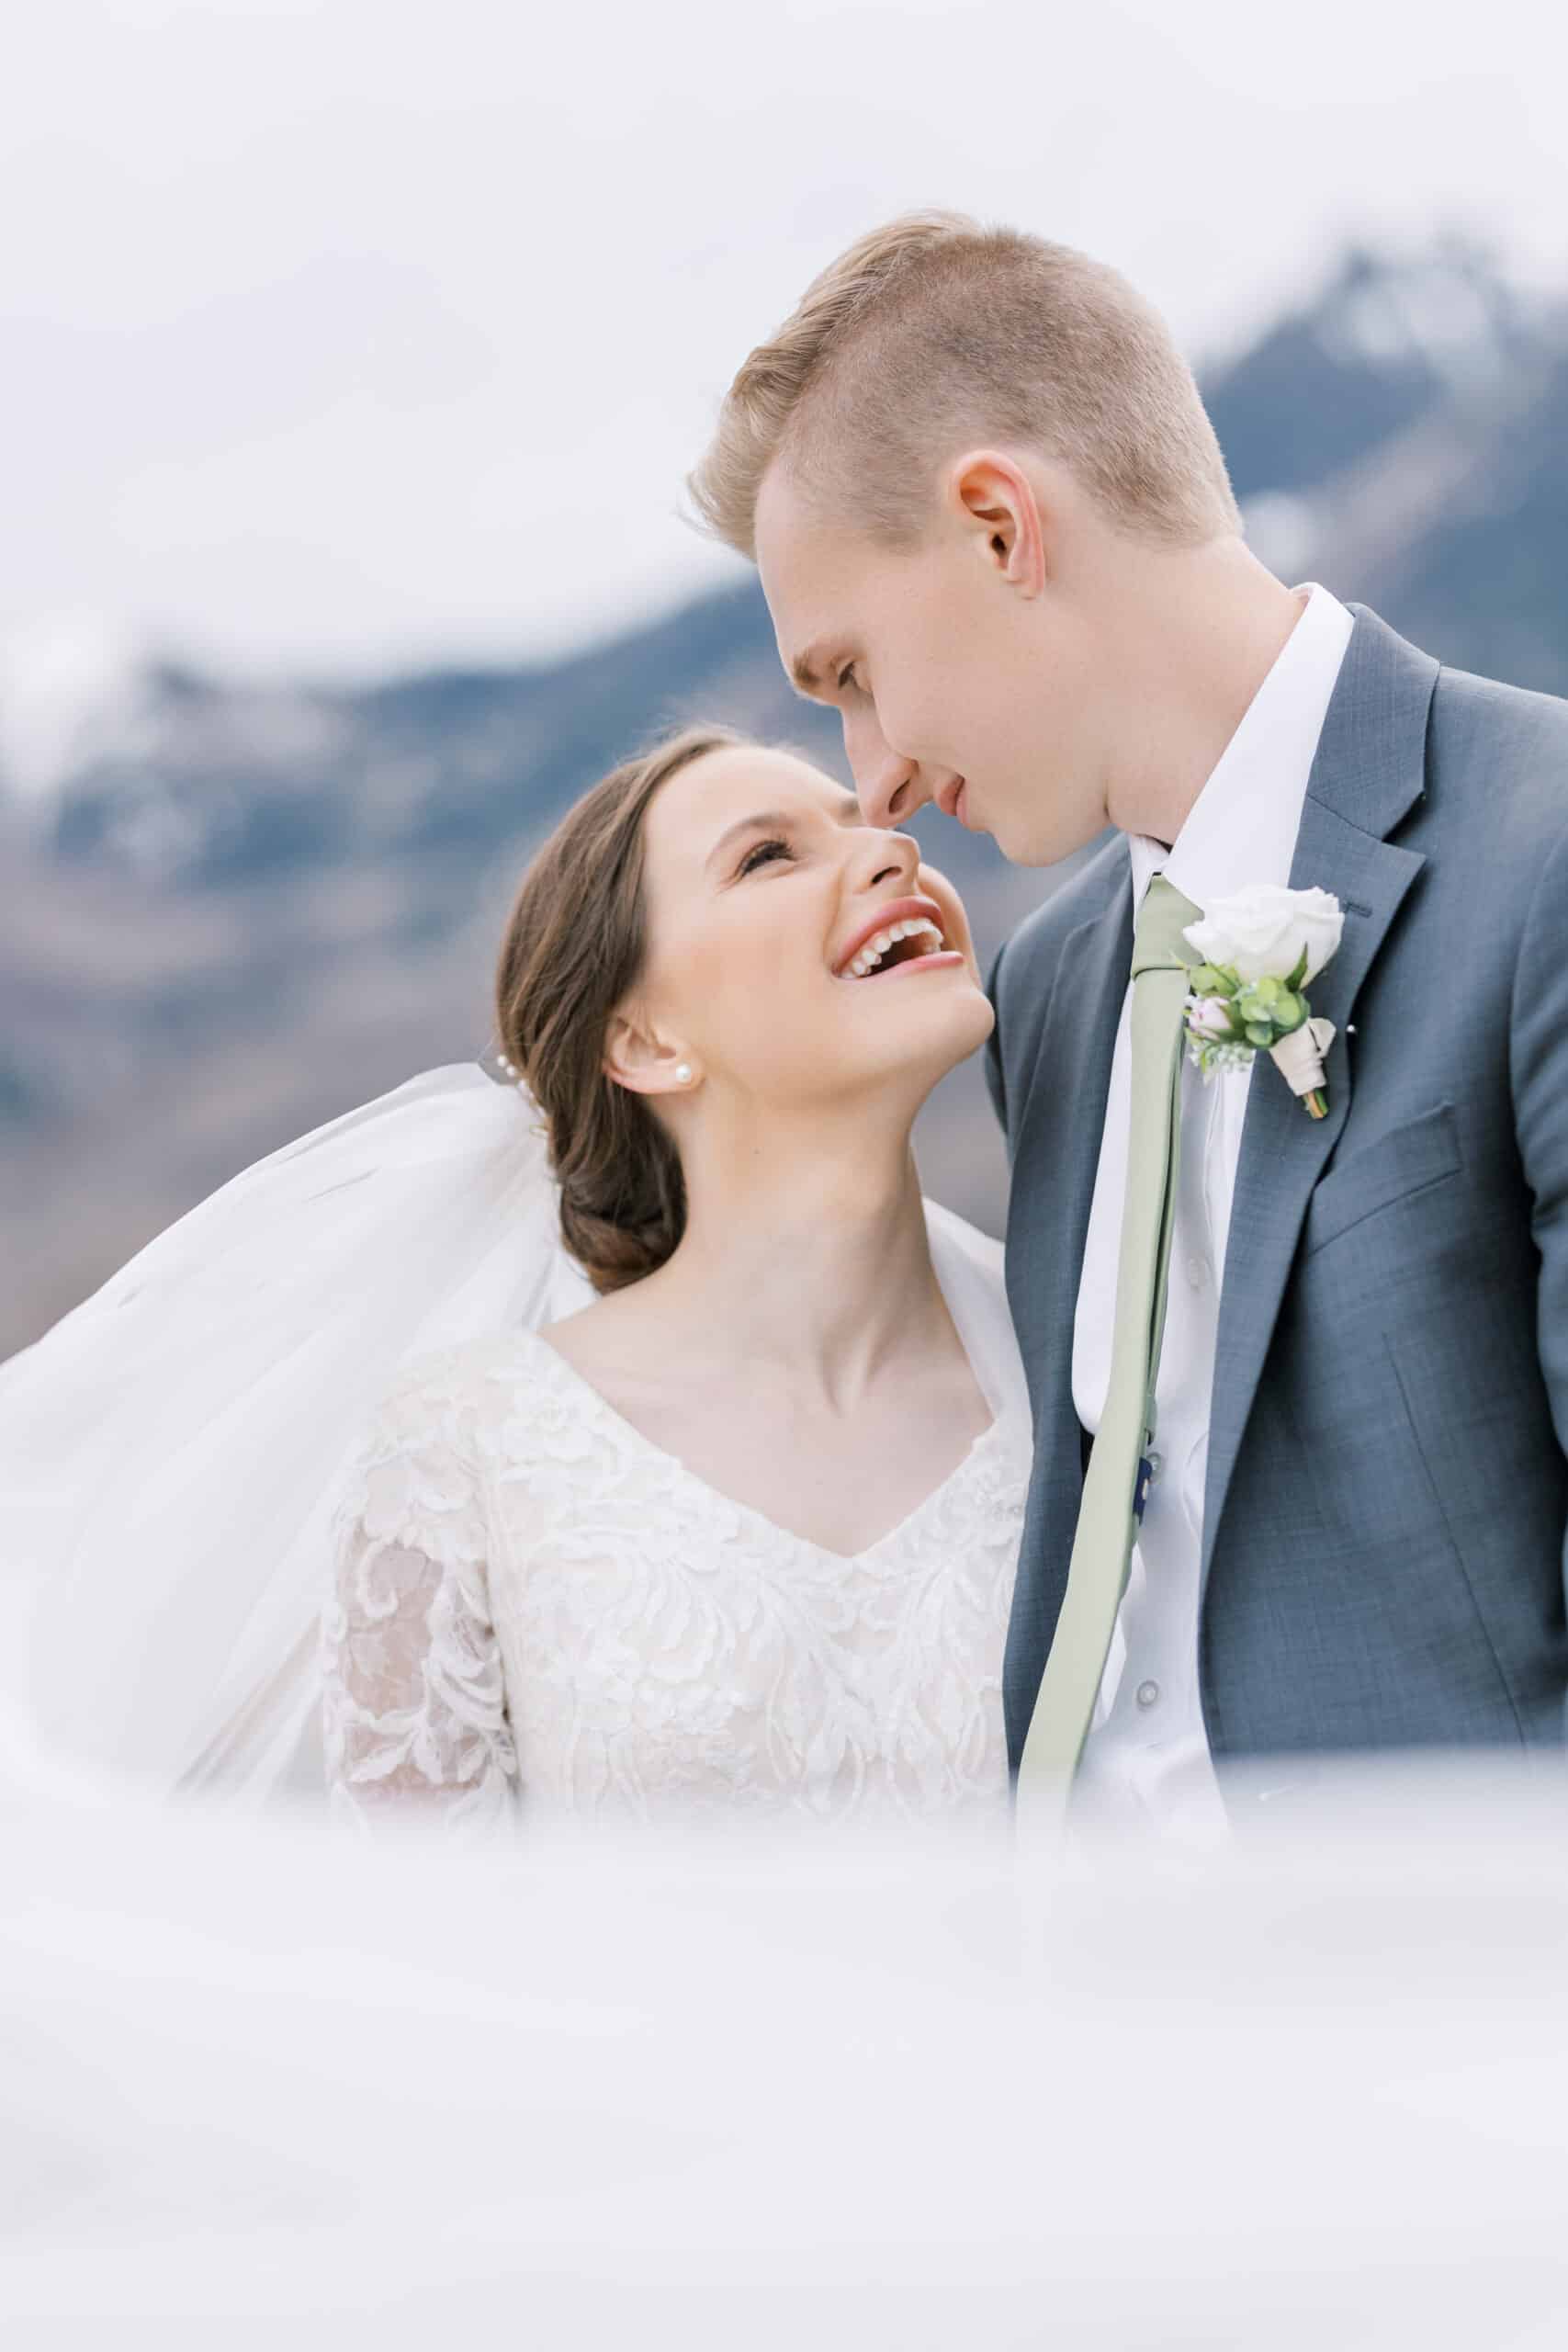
1327,1496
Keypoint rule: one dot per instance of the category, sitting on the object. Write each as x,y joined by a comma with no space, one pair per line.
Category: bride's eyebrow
759,823
847,812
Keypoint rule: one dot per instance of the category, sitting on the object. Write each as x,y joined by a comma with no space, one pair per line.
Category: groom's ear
996,505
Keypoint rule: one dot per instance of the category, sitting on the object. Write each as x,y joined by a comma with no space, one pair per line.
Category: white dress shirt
1146,1759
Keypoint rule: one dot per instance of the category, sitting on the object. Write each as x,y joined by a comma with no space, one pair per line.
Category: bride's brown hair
574,947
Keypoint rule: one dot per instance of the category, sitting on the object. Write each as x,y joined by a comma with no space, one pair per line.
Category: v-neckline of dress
630,1433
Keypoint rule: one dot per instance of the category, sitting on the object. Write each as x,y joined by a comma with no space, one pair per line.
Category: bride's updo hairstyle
574,948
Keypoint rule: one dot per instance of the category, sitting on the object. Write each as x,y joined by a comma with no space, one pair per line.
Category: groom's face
952,686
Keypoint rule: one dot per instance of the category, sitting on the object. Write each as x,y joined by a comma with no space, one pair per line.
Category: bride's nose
879,857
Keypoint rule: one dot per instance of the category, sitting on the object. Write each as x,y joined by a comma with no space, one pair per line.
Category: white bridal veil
170,1454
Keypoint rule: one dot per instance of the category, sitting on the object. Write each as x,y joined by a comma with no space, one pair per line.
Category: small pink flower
1209,1016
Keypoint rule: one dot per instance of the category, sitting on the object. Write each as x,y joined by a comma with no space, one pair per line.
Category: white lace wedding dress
532,1603
537,1610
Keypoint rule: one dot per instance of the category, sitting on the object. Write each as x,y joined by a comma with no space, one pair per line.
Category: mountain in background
230,911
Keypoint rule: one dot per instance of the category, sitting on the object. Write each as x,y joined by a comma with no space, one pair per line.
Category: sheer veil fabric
172,1454
169,1452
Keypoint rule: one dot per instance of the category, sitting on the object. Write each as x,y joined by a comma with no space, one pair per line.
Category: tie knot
1157,944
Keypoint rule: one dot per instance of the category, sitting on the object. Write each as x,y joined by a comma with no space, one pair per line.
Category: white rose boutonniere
1258,949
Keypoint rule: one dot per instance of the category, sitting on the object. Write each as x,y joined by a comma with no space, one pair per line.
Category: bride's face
795,952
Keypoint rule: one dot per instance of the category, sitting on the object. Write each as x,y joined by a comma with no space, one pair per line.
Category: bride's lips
892,910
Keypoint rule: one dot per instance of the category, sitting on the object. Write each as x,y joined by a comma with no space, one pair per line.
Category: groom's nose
888,785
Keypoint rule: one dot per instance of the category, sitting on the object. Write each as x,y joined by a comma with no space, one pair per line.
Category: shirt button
1157,1463
1197,1272
1148,1693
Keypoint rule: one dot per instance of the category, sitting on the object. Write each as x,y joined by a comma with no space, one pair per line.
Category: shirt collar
1242,827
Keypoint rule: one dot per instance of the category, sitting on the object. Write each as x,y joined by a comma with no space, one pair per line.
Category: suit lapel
1370,771
1055,1156
1075,1062
1056,1151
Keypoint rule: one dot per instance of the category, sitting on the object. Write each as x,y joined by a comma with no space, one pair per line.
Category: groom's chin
1047,846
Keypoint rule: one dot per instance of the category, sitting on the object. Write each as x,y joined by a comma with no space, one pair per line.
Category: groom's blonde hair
933,334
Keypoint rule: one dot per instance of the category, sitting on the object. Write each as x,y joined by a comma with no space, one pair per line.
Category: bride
742,1532
736,1530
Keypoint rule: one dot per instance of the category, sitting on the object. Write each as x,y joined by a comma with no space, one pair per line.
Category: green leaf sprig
1260,1014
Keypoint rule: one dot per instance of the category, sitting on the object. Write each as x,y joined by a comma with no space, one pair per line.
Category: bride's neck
806,1252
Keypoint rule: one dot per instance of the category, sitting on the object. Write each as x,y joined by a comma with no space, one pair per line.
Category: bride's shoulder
455,1388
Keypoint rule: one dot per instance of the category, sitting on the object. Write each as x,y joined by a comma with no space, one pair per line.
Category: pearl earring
683,1073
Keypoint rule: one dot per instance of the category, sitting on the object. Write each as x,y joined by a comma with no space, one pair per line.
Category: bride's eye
763,854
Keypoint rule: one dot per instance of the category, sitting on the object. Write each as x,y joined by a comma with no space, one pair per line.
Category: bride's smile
904,935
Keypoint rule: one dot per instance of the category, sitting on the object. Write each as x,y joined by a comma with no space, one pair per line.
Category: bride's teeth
868,957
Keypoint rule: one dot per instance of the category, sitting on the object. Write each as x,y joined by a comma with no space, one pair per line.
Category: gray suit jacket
1387,1490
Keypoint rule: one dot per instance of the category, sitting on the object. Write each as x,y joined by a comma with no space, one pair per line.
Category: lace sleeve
414,1696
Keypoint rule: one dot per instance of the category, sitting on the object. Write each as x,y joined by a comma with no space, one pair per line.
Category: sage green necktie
1108,1518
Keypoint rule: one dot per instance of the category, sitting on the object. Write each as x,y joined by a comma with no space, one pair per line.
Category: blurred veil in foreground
1307,2093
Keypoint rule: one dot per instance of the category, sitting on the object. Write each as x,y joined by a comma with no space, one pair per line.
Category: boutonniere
1259,949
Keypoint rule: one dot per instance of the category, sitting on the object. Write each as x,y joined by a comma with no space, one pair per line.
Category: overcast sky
337,333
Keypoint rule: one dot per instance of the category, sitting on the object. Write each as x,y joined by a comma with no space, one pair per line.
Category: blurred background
353,356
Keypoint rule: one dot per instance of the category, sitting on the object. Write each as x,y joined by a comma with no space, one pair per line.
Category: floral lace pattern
532,1601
